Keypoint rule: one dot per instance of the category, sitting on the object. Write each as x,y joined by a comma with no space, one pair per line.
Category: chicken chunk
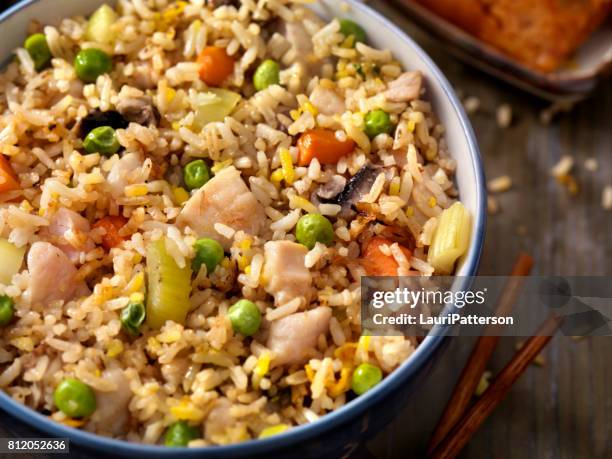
292,338
285,271
224,199
327,101
122,173
52,275
112,414
69,231
405,88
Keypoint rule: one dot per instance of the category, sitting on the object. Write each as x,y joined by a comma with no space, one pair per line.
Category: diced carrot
375,262
323,145
8,178
112,224
215,65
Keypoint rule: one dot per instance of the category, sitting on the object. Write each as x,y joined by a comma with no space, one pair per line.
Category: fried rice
70,286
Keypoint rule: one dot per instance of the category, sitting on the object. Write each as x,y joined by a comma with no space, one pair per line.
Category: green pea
348,28
313,228
196,174
103,140
245,317
267,74
180,434
36,45
365,377
74,398
132,317
7,310
90,63
207,252
377,122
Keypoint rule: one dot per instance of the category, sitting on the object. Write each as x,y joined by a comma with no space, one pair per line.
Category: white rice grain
224,230
26,61
336,332
317,387
11,373
183,72
499,184
37,372
376,189
330,209
471,104
43,157
314,255
492,205
284,310
591,164
297,378
310,415
413,164
287,222
503,116
400,258
563,166
422,266
606,198
239,377
370,54
429,229
256,268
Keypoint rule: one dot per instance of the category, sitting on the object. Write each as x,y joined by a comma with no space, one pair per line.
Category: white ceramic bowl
338,430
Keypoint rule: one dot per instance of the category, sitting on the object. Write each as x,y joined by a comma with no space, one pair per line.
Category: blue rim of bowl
332,420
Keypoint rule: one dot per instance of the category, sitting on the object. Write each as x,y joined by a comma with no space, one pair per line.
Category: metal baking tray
591,64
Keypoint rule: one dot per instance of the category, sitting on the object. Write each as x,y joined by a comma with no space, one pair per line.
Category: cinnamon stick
476,365
460,435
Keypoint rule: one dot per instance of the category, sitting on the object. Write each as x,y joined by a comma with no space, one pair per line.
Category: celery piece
169,287
99,26
451,238
12,259
214,105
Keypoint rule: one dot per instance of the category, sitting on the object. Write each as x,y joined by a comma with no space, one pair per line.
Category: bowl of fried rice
190,194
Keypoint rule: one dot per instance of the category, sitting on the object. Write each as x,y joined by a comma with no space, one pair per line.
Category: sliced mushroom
97,118
357,187
332,188
139,110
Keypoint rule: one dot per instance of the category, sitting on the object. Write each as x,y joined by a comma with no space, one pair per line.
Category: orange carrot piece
8,178
377,263
112,224
215,65
323,145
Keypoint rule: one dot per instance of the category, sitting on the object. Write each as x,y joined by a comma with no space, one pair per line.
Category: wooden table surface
562,409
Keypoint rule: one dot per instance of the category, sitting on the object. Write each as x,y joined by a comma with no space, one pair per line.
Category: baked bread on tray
539,33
